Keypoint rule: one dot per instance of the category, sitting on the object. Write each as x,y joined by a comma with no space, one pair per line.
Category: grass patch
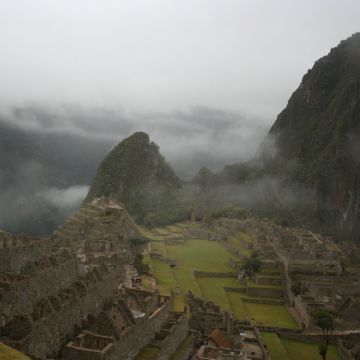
148,353
237,305
211,256
162,231
185,280
237,243
245,237
8,353
164,276
275,347
175,229
158,246
251,283
308,351
202,255
213,289
271,315
178,302
263,314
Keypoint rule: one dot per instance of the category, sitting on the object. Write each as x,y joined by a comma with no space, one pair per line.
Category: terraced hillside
96,221
181,262
283,349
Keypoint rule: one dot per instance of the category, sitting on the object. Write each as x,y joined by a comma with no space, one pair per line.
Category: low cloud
188,139
50,154
65,199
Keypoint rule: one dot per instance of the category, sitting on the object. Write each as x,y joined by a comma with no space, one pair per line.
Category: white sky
165,55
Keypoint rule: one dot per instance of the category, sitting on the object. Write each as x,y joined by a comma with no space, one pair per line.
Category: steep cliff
315,140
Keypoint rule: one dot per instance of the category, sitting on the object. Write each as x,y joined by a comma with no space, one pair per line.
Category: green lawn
263,314
213,289
282,349
275,347
210,256
245,237
302,351
149,234
272,315
237,305
200,255
185,279
164,276
8,353
236,242
158,246
162,231
175,229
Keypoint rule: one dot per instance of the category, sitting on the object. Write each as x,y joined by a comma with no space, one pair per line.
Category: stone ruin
71,302
243,340
134,319
315,263
99,227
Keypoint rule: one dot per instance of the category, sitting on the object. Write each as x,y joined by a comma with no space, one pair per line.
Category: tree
252,265
324,319
296,289
139,265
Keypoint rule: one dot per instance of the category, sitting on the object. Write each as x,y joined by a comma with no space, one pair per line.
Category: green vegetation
136,174
139,265
308,351
252,265
275,346
324,319
272,315
282,349
202,255
213,289
164,275
148,353
210,256
8,353
262,314
138,241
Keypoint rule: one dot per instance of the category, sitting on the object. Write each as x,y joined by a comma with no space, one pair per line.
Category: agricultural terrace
283,349
190,254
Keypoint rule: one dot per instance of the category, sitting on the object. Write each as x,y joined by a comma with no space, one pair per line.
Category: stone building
72,302
223,336
135,319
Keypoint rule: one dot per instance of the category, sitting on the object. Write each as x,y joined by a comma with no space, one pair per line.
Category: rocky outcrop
315,139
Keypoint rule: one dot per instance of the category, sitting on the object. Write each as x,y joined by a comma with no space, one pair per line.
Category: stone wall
58,317
40,279
16,251
237,290
267,280
129,341
265,292
213,274
173,337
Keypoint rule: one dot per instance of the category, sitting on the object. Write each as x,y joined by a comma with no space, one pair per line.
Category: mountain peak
138,137
314,136
134,173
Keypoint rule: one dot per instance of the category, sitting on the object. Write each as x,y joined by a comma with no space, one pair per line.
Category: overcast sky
166,55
